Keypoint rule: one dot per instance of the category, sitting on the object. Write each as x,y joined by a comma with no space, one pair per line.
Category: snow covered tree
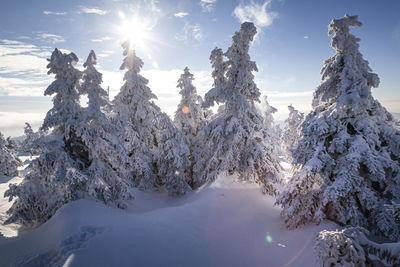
9,162
351,247
110,166
190,116
271,131
290,133
346,163
31,143
215,95
137,115
55,177
173,157
11,144
234,139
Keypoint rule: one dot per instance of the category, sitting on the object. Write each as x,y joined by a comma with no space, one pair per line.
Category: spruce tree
137,115
9,162
290,133
233,140
31,143
346,163
110,167
271,131
56,176
173,157
190,117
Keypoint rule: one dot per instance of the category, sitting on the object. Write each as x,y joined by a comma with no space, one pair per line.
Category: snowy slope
227,223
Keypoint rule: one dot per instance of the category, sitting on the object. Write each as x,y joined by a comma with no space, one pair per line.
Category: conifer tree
137,115
290,133
271,131
190,117
110,166
234,138
9,162
347,158
215,95
173,157
352,247
31,143
56,176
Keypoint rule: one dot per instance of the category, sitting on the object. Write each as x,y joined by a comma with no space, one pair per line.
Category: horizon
289,49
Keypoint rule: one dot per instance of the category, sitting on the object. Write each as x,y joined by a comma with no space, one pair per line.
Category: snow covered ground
226,223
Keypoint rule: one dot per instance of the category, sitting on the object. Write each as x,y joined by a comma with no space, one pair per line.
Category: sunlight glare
137,32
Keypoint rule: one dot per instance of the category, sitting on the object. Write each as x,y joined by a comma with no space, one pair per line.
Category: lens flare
268,238
185,109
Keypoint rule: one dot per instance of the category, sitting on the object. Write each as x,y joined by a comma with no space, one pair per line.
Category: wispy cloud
51,38
46,12
256,13
97,11
190,31
181,14
105,53
100,40
306,37
23,68
208,5
23,37
12,123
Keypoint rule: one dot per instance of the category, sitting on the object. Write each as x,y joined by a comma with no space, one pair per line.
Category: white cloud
208,5
46,12
23,37
256,13
190,31
12,123
51,38
306,37
197,32
181,14
105,38
97,11
105,53
23,68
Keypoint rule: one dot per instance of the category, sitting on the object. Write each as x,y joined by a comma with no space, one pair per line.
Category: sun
136,31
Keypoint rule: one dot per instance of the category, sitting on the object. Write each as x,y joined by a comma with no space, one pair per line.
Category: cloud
97,11
105,38
306,37
181,14
23,69
105,53
23,37
51,38
208,5
46,12
256,13
190,31
12,123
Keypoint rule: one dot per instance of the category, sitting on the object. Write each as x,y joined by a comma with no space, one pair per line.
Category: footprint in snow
67,246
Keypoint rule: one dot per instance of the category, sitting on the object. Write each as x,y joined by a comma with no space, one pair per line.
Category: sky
290,47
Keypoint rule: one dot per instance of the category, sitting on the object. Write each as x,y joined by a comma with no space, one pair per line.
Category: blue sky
289,49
